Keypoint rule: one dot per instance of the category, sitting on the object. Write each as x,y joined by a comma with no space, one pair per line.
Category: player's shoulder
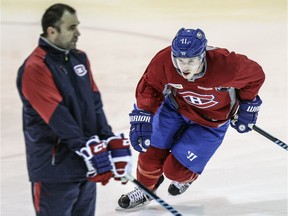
221,53
218,50
163,54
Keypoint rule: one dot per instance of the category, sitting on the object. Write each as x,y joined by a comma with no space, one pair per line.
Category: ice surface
248,174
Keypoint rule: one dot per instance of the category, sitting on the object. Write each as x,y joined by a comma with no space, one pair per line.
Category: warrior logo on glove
140,118
247,115
140,129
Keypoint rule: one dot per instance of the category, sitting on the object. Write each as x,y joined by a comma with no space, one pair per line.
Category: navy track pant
64,199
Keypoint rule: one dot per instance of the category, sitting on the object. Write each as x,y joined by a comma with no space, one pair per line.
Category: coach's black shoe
177,188
137,197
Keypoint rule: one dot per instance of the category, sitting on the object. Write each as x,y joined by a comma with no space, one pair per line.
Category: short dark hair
53,15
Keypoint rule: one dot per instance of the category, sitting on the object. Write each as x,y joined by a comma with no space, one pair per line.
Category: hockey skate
177,188
137,197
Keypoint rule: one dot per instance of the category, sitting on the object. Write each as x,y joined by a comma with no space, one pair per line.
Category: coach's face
66,34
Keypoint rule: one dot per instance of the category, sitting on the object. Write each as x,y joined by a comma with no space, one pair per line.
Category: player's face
68,35
189,66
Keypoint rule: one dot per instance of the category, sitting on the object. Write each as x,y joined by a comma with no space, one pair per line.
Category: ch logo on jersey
198,100
80,70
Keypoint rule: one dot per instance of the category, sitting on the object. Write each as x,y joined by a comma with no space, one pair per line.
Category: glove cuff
120,152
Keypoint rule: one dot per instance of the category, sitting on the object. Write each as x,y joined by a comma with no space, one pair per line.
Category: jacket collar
53,49
43,42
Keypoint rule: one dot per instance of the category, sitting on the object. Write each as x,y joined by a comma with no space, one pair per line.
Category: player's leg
55,199
180,175
149,173
150,166
166,122
192,151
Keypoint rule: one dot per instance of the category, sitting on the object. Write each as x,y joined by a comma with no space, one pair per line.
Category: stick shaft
270,137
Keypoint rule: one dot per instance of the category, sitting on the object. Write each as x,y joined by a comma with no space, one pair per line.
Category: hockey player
69,144
185,102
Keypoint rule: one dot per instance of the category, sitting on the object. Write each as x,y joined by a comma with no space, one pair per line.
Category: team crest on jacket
198,100
80,70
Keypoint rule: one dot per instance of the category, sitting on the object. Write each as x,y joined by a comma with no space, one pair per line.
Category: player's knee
151,162
175,171
153,155
150,166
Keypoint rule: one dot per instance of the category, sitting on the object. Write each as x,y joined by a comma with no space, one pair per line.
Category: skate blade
136,208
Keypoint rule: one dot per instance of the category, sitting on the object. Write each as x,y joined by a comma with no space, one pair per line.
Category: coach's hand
119,148
97,160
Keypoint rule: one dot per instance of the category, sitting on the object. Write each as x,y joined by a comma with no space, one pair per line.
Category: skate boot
177,188
137,197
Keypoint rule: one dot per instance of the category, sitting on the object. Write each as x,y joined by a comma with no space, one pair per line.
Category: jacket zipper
54,151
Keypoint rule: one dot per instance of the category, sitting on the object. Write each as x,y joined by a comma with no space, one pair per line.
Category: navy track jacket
62,109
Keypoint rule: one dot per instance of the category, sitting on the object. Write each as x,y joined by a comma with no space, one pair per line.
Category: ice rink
248,174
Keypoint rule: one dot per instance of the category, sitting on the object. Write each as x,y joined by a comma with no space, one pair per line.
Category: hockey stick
269,136
154,196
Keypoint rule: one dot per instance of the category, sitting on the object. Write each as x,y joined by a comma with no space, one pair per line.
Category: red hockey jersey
209,100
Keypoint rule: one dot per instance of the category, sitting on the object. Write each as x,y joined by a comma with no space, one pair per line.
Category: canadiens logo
198,100
80,70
